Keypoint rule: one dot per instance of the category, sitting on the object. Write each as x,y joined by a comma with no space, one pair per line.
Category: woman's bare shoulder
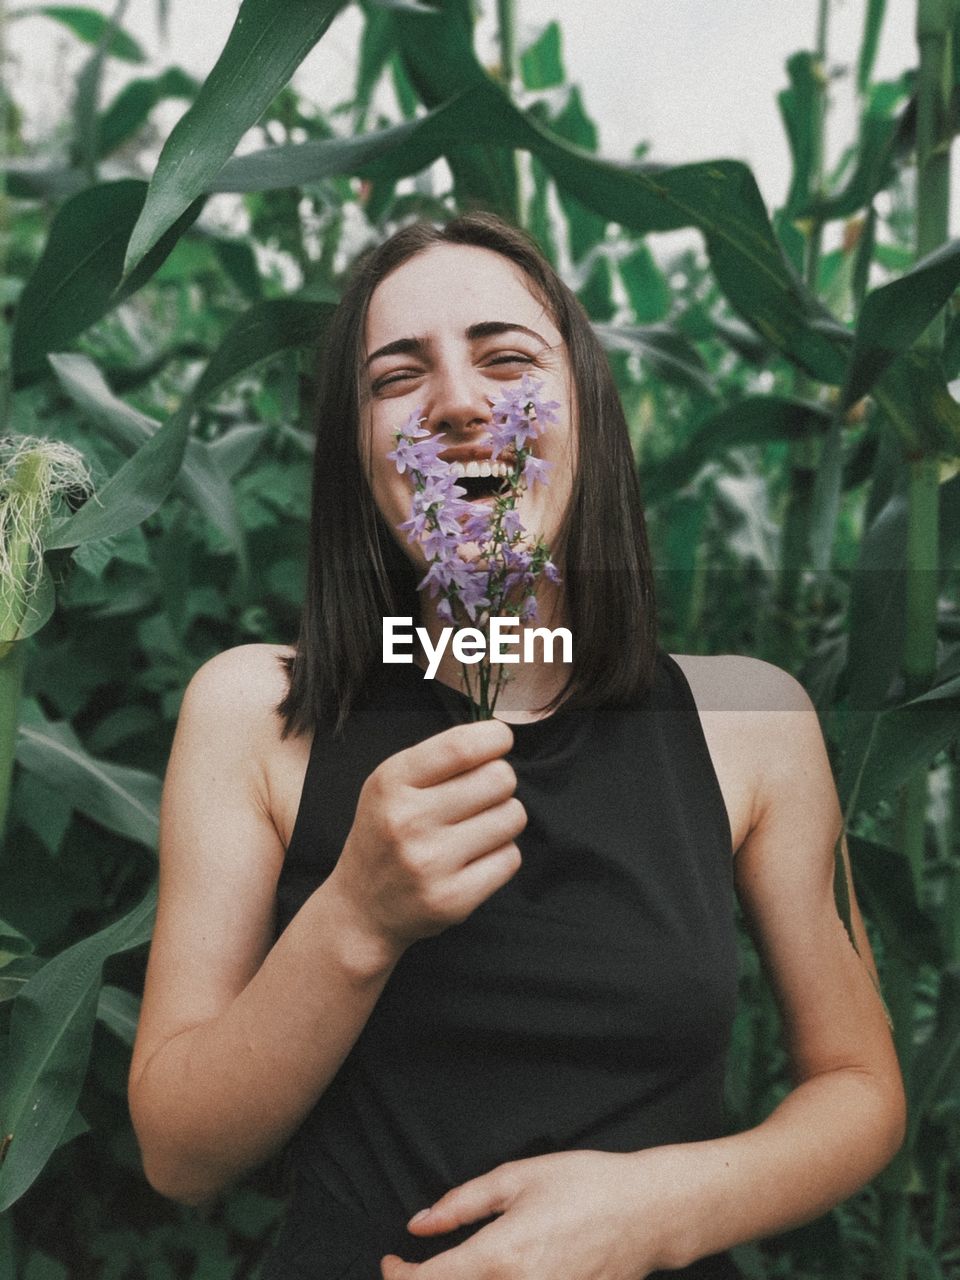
246,676
738,682
241,688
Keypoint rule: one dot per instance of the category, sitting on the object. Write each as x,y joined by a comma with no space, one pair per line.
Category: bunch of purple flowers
502,580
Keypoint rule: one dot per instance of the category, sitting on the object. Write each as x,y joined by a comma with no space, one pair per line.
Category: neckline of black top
531,735
458,703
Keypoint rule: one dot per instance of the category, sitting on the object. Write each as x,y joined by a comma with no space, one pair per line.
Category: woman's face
447,333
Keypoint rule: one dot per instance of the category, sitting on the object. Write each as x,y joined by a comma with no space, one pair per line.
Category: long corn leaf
51,1030
266,45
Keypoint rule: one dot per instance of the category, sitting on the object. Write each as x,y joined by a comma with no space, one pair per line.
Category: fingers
470,793
454,751
394,1268
479,1198
486,831
468,1261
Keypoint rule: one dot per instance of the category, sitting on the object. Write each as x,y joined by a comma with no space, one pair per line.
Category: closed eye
513,359
394,377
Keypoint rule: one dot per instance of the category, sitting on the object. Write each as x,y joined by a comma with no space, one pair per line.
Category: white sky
696,79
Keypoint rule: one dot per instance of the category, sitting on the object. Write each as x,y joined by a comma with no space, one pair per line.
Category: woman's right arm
238,1038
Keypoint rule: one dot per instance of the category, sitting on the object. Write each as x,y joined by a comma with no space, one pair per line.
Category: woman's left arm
612,1216
845,1118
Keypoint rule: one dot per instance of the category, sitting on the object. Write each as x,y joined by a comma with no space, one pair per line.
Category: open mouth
486,478
484,486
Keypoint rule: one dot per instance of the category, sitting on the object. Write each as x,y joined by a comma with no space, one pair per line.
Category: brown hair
357,573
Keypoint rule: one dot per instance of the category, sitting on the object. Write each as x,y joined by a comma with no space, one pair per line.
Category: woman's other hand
433,835
570,1215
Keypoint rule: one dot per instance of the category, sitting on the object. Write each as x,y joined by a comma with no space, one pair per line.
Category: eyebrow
485,329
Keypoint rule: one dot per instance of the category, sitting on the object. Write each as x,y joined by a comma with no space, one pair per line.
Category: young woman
489,968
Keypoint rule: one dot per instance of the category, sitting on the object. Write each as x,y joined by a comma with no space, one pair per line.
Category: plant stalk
507,28
11,684
803,455
935,20
5,117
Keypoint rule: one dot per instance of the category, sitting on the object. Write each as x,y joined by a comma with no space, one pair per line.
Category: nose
459,405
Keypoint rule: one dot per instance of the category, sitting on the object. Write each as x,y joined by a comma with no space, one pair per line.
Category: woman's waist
322,1240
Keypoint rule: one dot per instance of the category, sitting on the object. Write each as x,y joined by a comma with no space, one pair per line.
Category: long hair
357,573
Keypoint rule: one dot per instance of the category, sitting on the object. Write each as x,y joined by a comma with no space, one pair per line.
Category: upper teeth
485,468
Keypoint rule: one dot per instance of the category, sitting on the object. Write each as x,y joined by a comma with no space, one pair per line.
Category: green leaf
404,148
266,45
886,892
720,198
12,942
596,291
86,100
14,976
276,324
89,25
902,740
47,814
376,49
876,633
799,107
586,228
120,798
439,58
132,493
540,221
31,179
236,448
130,109
197,477
36,614
666,353
936,1067
124,426
825,504
894,316
143,482
541,63
51,1031
76,1126
917,404
873,23
120,1011
240,263
646,286
408,6
75,281
750,420
884,139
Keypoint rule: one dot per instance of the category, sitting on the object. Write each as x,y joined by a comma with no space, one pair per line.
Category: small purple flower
535,470
544,410
477,527
437,543
473,594
404,455
416,525
510,523
442,520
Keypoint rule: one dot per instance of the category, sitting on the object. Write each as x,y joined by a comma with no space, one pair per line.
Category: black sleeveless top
586,1004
